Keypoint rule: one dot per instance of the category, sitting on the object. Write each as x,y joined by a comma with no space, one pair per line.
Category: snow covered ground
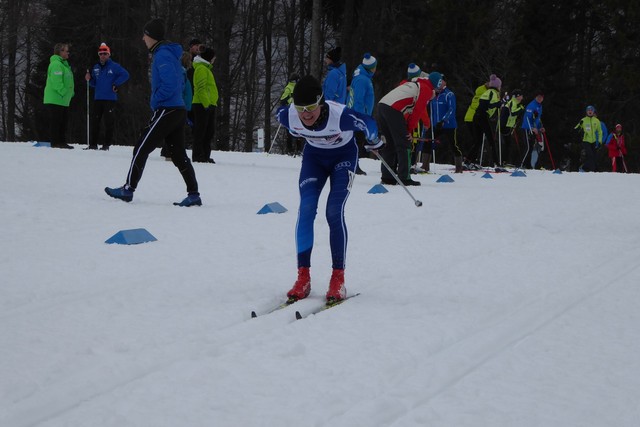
510,301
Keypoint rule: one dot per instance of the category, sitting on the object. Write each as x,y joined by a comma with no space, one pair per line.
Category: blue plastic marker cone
518,173
445,178
487,175
558,172
274,207
42,144
378,189
131,237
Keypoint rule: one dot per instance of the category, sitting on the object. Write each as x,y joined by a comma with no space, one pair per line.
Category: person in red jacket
399,112
617,150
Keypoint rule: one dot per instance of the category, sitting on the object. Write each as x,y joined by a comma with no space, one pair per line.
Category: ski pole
88,142
528,143
546,140
624,163
418,203
273,143
499,139
433,147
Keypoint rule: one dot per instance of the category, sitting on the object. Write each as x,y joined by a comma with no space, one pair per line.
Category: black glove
535,115
439,125
114,88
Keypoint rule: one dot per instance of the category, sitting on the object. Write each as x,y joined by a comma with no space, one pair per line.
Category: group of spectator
199,95
500,125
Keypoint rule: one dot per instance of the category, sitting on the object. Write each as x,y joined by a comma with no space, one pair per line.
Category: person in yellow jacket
58,92
487,106
591,130
287,94
510,114
293,146
205,101
471,111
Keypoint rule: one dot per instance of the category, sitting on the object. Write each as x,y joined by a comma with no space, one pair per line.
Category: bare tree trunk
316,40
267,48
13,7
223,21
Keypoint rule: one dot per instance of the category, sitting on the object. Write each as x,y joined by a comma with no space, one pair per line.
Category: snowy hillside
510,301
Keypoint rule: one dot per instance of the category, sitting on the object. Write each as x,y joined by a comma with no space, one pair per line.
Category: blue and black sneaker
193,199
121,193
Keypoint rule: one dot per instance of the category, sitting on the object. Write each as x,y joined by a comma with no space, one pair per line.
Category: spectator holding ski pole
532,129
399,112
331,153
510,113
617,150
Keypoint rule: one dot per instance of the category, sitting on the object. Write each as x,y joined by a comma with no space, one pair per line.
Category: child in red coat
617,150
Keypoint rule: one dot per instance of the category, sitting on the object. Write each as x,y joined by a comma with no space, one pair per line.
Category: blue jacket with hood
361,96
167,78
335,84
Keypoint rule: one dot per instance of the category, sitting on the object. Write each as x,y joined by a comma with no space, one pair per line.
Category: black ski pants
397,149
204,127
166,125
103,109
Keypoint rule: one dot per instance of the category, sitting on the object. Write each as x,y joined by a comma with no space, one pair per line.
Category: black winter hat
208,54
307,91
194,42
155,29
335,54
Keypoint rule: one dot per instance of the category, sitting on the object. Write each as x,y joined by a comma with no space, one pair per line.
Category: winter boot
302,287
123,193
458,162
337,291
426,160
407,182
193,199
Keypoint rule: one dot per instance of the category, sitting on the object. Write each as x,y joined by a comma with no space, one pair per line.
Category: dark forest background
578,52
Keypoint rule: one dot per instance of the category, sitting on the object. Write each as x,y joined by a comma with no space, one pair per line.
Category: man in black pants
105,77
167,121
399,112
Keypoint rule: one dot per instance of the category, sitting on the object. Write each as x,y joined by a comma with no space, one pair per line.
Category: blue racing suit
331,153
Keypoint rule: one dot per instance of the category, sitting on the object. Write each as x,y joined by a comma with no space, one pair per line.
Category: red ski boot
302,287
337,291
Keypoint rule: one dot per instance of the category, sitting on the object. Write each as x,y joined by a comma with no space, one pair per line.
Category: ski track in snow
273,360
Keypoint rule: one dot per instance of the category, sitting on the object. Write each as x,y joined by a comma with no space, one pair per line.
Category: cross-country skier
330,153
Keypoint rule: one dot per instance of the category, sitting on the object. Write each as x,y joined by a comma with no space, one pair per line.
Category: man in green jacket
58,92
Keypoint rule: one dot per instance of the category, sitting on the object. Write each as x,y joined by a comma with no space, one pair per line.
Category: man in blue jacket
105,77
168,118
533,129
335,84
443,119
361,97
